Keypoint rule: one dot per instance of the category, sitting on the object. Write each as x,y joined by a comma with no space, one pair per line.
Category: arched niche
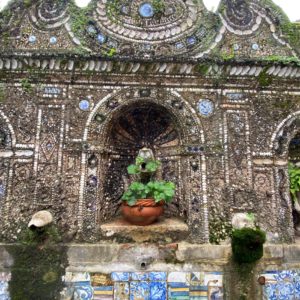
282,143
122,124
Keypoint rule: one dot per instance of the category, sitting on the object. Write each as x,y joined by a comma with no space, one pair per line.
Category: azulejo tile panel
146,286
4,279
281,285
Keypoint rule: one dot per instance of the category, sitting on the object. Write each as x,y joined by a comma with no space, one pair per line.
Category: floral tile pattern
121,291
158,290
147,286
281,285
4,279
139,290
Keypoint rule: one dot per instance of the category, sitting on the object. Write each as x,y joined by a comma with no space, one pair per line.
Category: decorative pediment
146,29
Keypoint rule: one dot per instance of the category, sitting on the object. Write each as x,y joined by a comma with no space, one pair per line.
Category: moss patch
247,244
39,264
264,79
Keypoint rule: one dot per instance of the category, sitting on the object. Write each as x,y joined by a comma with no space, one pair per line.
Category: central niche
146,125
132,127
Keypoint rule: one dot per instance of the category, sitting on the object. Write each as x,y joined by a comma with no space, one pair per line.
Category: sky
291,7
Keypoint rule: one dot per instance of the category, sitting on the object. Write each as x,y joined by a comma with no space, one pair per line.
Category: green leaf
132,170
151,166
139,160
131,202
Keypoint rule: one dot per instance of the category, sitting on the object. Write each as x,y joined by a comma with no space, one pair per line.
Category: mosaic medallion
205,107
84,105
146,10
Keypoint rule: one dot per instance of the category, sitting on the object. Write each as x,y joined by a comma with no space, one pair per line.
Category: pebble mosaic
147,285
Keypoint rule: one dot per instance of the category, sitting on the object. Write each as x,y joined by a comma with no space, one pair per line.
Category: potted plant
144,199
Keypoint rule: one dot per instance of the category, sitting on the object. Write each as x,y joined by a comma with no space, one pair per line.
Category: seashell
41,219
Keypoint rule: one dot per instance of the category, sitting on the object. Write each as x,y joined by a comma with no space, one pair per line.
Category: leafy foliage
294,174
159,190
141,165
247,244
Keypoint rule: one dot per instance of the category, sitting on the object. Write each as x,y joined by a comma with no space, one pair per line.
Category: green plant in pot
143,202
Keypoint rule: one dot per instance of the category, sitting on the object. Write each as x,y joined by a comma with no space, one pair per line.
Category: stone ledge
165,229
105,257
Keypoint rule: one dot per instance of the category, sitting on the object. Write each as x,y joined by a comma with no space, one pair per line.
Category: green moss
114,8
264,79
247,244
26,85
202,68
39,264
80,19
158,5
292,32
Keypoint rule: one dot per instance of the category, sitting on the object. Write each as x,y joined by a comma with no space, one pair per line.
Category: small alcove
132,127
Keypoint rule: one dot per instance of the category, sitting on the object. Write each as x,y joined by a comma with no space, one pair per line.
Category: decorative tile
215,293
4,295
158,290
101,279
198,292
281,285
103,292
179,277
120,276
139,290
213,279
77,277
139,276
197,278
178,290
158,276
83,292
121,291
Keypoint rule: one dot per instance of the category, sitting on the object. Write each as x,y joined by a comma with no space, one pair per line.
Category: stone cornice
97,64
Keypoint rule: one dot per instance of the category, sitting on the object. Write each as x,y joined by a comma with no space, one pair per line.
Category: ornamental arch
281,141
118,127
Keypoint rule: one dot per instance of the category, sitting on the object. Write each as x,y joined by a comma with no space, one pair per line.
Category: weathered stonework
215,95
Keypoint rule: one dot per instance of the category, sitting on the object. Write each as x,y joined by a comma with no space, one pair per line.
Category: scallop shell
40,219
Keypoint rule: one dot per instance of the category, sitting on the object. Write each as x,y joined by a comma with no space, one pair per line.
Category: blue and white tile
213,279
121,291
197,278
158,290
183,277
120,276
178,290
4,281
139,276
4,294
77,277
215,293
139,290
83,292
158,276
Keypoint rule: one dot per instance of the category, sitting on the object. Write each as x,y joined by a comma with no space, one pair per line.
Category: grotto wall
222,92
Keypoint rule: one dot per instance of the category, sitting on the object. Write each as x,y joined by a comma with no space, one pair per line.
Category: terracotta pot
144,212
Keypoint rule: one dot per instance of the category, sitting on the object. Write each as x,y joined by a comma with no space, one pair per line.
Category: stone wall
64,148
